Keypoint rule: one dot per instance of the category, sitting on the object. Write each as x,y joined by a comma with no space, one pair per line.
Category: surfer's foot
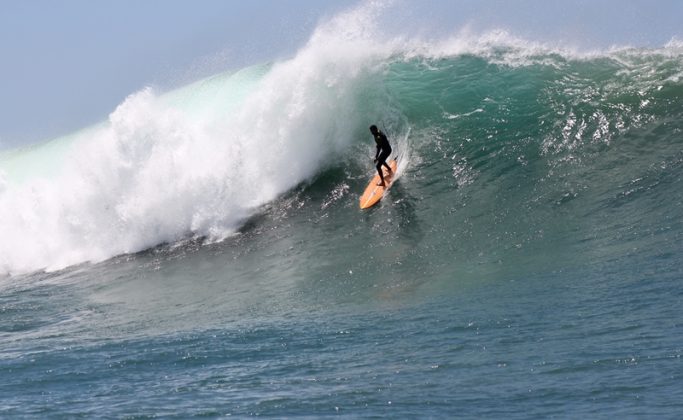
381,184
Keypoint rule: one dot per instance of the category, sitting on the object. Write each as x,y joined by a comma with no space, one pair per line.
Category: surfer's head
373,129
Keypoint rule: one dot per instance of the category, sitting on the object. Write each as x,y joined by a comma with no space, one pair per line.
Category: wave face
514,146
535,157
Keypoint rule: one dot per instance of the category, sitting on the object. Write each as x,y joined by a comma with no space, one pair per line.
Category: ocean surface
201,252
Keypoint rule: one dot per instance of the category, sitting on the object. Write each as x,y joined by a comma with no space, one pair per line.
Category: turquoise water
526,263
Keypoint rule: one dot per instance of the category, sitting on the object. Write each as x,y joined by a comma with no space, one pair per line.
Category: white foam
168,167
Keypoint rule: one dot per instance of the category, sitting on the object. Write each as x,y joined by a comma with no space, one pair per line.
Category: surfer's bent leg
382,160
386,156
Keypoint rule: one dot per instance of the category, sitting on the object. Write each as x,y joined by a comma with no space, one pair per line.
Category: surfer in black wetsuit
383,152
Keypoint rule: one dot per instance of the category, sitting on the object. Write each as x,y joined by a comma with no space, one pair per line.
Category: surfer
383,152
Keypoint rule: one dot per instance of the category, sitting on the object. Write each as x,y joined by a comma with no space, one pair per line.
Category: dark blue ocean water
595,341
526,263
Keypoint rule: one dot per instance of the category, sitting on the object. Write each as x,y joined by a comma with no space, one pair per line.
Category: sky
67,64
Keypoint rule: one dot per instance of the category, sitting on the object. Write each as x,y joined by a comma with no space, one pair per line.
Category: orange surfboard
373,193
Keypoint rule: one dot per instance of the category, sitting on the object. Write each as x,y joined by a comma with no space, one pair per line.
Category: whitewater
201,251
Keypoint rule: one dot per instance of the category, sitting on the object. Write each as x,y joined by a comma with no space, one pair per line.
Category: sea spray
171,166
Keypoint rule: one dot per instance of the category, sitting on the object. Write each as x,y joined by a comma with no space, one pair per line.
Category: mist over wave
198,161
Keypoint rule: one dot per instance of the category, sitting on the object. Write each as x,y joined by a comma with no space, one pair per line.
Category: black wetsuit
383,150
